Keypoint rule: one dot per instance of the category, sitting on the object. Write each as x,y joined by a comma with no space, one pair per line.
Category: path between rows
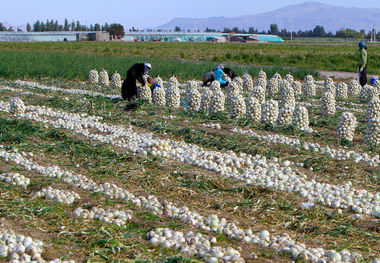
342,75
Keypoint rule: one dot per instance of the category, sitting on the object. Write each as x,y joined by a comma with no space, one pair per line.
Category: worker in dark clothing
362,63
208,77
136,72
229,72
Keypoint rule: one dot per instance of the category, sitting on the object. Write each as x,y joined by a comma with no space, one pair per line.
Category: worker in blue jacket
219,74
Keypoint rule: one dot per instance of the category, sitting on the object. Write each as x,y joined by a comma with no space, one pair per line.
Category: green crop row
35,64
334,56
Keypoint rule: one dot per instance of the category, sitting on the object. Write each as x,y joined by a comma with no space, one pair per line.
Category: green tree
177,29
284,33
97,27
72,27
116,30
37,26
350,33
10,29
319,31
56,25
43,27
28,27
252,30
66,26
106,26
273,29
78,26
49,26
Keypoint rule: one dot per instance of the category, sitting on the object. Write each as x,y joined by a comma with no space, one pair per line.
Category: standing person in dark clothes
136,72
362,63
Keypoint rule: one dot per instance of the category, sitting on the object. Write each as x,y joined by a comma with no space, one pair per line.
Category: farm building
53,36
135,36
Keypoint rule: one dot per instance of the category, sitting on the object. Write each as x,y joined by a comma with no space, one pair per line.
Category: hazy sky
144,13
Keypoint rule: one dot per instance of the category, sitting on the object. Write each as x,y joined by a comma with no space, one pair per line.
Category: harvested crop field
272,168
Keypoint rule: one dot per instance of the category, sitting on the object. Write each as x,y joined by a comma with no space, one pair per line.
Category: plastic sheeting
37,36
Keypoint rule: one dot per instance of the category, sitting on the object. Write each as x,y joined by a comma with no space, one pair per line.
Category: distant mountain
298,17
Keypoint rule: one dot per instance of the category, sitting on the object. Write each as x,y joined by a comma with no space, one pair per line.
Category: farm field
171,183
333,57
36,64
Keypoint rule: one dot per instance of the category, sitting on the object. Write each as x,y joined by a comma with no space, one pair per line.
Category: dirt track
341,75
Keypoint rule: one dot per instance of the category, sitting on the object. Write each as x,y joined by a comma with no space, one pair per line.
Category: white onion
93,77
273,86
103,78
173,95
158,97
354,88
238,107
372,133
328,104
346,126
285,115
62,196
259,93
253,109
269,112
217,102
289,78
300,119
342,91
373,109
297,87
248,82
116,80
206,101
145,93
17,106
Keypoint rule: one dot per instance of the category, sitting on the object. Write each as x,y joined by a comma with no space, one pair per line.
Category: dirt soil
341,75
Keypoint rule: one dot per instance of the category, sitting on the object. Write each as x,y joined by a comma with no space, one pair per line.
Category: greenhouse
196,37
136,36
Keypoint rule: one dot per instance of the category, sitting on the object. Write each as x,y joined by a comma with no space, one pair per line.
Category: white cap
148,65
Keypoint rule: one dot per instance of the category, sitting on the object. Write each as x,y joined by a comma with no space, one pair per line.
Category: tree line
118,29
54,26
51,25
40,26
4,28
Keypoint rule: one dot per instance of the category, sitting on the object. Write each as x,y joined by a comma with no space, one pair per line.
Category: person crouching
134,73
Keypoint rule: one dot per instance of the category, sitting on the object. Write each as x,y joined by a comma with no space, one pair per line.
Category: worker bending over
134,73
219,75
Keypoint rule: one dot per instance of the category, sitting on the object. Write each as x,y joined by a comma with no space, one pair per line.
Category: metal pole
374,35
291,32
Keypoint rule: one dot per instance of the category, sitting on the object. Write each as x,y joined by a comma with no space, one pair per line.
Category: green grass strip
36,64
